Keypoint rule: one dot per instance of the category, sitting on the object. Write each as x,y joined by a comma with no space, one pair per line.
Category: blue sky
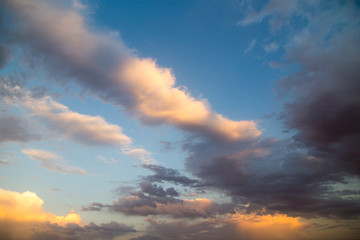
180,119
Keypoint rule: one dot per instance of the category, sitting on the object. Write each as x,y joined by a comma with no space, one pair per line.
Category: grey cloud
4,55
95,206
169,175
155,190
167,146
325,110
284,180
209,230
296,176
15,129
154,200
71,231
147,237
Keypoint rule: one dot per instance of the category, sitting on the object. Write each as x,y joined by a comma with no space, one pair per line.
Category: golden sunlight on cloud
157,99
277,226
28,207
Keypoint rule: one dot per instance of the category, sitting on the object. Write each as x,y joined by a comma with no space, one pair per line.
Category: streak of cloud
52,161
104,66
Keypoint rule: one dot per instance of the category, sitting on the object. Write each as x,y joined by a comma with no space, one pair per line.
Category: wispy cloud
140,153
251,46
91,130
271,47
52,161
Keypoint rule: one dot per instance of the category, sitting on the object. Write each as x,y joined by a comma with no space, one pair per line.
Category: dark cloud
209,230
71,231
297,176
95,206
284,180
153,199
145,205
147,237
167,146
155,190
4,55
168,175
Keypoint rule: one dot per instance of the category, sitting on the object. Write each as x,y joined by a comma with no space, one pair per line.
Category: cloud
153,205
154,200
153,189
140,153
324,110
28,207
234,226
278,10
251,46
104,67
168,175
91,130
271,47
15,129
298,176
4,55
52,161
22,217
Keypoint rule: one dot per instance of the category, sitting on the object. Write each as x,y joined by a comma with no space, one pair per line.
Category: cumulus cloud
28,207
104,67
22,217
52,161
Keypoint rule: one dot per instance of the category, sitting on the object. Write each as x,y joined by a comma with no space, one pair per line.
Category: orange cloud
28,207
277,226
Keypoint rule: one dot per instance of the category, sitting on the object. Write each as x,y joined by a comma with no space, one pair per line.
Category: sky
157,120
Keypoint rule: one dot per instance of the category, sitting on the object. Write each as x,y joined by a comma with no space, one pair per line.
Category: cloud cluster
298,176
236,226
86,129
22,217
